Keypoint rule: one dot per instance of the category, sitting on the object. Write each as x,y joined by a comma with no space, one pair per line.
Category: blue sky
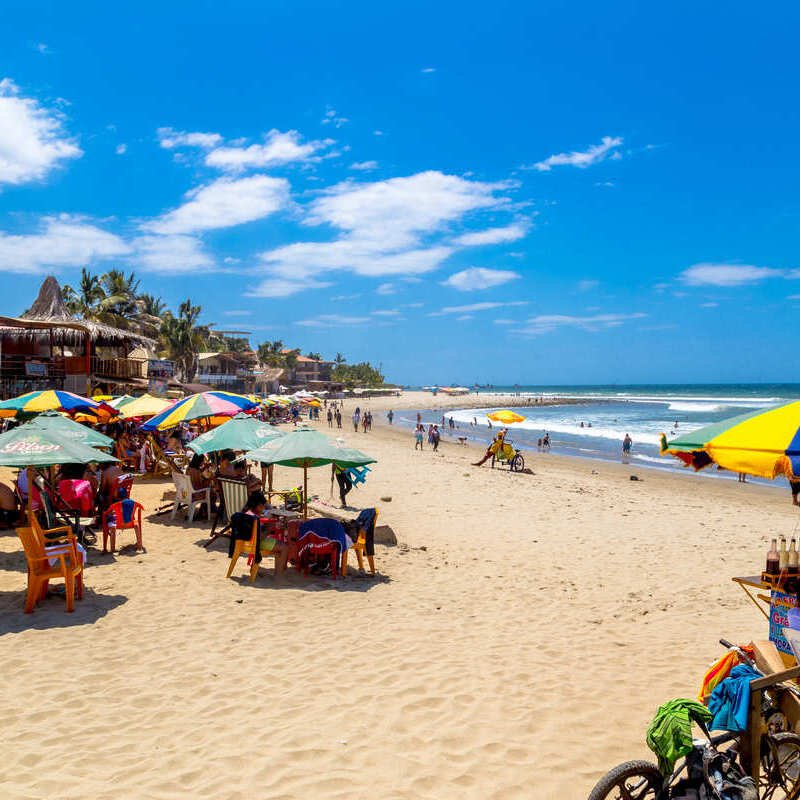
530,192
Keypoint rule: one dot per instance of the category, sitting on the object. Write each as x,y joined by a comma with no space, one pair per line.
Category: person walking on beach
343,479
390,416
627,443
356,420
546,441
330,418
419,436
338,418
435,437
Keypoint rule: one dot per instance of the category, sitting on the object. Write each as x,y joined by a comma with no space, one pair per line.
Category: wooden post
305,492
88,364
29,473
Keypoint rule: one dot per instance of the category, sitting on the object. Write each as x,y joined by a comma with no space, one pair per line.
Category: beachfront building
313,374
237,371
48,348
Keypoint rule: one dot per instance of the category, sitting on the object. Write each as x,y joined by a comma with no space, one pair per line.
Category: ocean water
608,413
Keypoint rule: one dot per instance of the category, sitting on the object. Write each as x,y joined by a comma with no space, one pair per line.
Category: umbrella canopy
54,400
122,400
305,448
200,406
58,427
144,406
765,443
506,417
242,432
30,446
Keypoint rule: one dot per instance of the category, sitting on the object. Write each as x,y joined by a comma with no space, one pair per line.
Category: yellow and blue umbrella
55,400
206,405
765,443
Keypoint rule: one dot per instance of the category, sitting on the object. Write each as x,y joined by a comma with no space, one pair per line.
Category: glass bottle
783,556
773,560
792,566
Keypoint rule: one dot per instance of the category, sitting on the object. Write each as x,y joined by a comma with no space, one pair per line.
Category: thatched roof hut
49,312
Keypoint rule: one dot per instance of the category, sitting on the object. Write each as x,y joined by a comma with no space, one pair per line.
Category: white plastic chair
187,495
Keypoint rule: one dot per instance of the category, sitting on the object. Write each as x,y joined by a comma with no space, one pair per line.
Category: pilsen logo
30,447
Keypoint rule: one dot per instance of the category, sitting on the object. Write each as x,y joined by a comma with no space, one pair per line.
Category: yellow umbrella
505,416
144,406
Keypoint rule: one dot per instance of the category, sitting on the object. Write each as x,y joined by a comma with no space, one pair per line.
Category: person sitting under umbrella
494,449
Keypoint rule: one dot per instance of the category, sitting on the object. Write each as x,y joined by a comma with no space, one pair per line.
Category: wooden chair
187,495
360,546
233,497
41,571
248,547
166,463
119,523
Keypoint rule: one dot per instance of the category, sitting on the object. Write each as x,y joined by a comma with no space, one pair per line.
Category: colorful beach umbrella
144,406
122,400
242,432
305,448
506,417
55,425
200,406
765,443
55,400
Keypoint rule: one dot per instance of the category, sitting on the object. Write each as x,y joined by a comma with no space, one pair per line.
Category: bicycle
509,454
708,772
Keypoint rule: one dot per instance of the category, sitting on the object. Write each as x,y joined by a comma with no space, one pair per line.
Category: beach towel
78,495
718,671
366,520
730,701
669,735
330,529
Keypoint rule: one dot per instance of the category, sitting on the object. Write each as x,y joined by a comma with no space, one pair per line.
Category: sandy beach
516,644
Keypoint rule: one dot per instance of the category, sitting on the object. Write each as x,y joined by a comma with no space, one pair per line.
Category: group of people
433,435
365,419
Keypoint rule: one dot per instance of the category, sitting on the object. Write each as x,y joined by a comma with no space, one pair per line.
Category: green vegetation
353,375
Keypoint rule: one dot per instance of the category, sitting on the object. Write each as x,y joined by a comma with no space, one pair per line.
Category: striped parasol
764,443
55,400
206,405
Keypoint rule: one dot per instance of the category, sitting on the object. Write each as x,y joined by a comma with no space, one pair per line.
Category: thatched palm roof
49,312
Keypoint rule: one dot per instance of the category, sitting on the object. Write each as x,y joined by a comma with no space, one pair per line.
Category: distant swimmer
627,443
676,424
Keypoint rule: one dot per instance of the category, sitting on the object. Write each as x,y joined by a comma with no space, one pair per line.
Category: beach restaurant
48,348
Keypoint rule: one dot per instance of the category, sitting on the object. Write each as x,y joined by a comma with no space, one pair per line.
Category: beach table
749,583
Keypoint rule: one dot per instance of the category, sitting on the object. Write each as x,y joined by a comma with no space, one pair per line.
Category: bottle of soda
792,560
773,559
783,556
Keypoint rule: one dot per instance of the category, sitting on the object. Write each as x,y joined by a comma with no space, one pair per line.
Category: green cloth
670,733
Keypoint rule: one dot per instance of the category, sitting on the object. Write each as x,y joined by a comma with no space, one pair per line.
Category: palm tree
270,353
339,359
152,305
83,301
183,339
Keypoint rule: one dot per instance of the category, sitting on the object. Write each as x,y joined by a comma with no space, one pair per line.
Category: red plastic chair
309,546
134,523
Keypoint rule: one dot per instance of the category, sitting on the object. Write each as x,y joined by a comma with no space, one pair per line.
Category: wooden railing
106,367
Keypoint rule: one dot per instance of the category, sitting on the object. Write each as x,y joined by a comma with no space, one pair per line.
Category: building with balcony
48,348
310,373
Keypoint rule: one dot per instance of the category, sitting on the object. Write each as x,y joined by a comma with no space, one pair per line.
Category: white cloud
469,280
171,254
606,184
235,312
585,158
364,166
793,297
332,321
384,227
473,307
509,233
727,275
62,242
42,48
285,287
121,149
505,322
278,148
709,305
389,312
547,323
377,133
386,288
32,138
169,139
332,118
464,317
224,203
587,285
428,70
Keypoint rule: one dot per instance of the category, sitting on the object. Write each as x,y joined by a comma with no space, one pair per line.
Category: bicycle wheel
780,767
633,780
517,463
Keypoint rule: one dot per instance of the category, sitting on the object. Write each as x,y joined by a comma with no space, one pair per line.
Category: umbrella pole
305,492
29,473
